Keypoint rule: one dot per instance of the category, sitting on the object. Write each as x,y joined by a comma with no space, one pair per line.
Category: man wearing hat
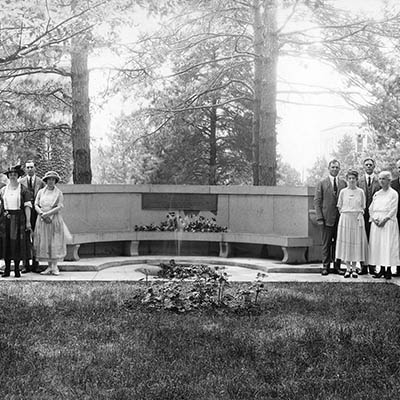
33,183
15,223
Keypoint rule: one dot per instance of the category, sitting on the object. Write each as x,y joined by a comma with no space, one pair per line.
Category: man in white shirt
33,183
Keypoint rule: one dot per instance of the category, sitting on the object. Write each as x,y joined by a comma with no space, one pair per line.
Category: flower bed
198,286
187,223
184,271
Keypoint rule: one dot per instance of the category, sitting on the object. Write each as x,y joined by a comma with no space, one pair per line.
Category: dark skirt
15,240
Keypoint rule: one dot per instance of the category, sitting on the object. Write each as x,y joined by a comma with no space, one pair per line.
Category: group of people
31,226
359,219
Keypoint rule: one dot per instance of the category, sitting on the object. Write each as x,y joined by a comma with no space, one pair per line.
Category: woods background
197,86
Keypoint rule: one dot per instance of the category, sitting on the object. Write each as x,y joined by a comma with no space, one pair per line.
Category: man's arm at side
318,199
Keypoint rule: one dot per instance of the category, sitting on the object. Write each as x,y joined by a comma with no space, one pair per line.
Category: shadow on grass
309,341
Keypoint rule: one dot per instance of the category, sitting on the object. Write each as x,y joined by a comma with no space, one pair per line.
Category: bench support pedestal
131,248
225,249
294,255
72,252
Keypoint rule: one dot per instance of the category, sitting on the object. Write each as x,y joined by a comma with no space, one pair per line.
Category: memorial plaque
180,201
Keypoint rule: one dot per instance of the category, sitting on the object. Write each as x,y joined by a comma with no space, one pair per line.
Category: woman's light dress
351,242
50,239
384,241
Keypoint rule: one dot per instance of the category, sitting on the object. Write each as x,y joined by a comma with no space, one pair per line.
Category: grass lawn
74,340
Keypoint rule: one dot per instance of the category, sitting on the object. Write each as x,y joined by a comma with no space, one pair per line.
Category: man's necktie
334,186
30,183
369,181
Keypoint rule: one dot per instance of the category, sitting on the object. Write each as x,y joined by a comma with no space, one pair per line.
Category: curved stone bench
294,247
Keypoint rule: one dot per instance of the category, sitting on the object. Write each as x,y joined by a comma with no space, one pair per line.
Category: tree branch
62,127
338,107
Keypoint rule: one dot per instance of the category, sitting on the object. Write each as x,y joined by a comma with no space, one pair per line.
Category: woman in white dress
51,234
351,243
384,236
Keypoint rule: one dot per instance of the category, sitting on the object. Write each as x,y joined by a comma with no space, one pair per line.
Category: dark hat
17,168
51,174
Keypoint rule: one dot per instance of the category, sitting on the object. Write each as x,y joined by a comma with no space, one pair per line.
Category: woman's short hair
385,174
352,172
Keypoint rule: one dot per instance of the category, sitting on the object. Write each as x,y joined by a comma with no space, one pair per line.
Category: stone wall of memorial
248,209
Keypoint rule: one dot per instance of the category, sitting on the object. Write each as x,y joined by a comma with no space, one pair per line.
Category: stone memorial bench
294,247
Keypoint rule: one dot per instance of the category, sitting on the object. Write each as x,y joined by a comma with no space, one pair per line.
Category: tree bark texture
212,180
82,172
268,114
264,106
258,66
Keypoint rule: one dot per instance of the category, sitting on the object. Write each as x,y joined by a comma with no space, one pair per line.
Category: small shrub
205,288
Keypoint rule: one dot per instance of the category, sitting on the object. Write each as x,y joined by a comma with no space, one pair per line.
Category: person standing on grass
15,221
33,183
395,184
351,243
51,234
384,236
325,203
370,185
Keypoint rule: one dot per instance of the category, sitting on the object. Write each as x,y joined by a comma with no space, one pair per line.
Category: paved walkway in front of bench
238,269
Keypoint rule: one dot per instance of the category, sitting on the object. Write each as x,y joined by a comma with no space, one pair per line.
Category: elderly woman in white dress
351,243
384,236
51,234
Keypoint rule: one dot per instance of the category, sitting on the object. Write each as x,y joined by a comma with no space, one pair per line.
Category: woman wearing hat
15,222
50,233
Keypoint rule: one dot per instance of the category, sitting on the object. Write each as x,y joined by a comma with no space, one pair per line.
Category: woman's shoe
17,272
47,271
371,269
347,274
55,270
363,270
6,272
380,273
354,274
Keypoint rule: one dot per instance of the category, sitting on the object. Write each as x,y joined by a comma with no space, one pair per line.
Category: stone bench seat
294,247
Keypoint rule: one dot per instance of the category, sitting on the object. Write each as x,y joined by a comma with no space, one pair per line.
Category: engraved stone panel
180,201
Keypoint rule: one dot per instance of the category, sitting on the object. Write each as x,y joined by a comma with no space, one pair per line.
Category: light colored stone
151,270
97,213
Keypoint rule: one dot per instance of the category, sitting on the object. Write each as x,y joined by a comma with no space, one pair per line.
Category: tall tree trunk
82,172
258,65
212,174
267,150
212,180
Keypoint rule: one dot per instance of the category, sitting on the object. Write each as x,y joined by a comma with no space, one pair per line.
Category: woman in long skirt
384,236
351,243
15,225
51,234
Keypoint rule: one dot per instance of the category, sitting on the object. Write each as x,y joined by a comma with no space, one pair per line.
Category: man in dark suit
33,183
395,184
325,203
370,185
